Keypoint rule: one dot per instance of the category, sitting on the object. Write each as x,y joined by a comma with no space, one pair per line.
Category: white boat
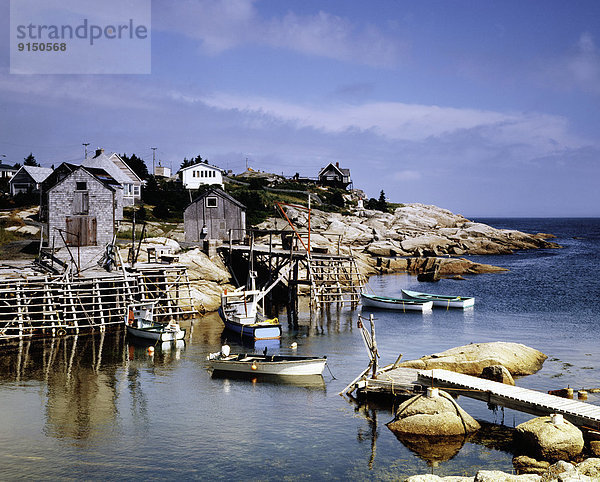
242,313
140,323
441,301
263,364
399,304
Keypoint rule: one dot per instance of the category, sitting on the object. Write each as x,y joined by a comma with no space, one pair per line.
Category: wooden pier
331,278
406,382
52,305
522,399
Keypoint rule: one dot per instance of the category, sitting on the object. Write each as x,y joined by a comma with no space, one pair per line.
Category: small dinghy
254,363
140,323
399,304
441,301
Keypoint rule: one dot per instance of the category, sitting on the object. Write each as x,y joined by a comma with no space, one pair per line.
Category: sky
486,108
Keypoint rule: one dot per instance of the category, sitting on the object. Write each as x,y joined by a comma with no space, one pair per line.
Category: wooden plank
510,396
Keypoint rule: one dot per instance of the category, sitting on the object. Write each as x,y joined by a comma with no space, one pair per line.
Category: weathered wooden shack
212,215
85,206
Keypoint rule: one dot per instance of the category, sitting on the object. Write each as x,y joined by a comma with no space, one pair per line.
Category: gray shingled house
85,204
28,179
212,214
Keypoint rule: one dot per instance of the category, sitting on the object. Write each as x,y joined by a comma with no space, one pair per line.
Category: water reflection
81,375
434,450
311,382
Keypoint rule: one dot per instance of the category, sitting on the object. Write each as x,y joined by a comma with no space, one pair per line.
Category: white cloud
221,25
407,175
585,65
406,122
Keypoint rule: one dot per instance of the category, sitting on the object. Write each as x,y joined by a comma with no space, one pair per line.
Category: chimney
337,164
99,151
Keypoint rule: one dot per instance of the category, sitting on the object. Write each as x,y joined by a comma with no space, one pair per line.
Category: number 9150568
42,47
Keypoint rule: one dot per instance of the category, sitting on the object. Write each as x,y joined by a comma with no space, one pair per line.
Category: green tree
382,204
30,160
190,162
137,165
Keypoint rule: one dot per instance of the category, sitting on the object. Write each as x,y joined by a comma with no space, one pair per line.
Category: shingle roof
38,174
219,192
104,162
103,176
201,164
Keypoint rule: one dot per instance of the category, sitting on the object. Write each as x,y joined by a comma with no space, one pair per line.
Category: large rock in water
432,415
547,440
472,359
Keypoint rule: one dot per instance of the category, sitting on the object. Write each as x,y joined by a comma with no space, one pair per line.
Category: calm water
100,408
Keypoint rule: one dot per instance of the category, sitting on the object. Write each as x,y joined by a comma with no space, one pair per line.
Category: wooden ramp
529,401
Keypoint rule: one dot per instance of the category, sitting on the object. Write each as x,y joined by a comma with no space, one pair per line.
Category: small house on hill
200,174
28,179
212,214
85,205
334,175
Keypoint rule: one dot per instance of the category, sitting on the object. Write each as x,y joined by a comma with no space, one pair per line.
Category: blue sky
486,108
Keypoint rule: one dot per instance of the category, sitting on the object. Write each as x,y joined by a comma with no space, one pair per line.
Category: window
81,186
136,190
81,203
211,202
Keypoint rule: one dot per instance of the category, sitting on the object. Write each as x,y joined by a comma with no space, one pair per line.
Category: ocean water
99,407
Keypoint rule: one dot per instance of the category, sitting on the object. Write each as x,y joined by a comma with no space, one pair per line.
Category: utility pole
153,153
85,144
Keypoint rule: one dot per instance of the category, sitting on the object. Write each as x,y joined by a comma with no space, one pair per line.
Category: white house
199,174
7,171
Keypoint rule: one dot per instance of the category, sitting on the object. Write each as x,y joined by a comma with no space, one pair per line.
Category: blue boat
241,313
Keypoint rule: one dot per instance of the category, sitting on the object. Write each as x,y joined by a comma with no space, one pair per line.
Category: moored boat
253,325
400,304
442,301
254,363
140,323
242,314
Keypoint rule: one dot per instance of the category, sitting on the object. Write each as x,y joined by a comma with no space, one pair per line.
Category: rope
332,375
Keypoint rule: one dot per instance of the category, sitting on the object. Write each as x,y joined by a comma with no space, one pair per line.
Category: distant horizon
485,106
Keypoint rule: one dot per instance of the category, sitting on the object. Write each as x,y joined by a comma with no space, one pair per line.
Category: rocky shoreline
414,239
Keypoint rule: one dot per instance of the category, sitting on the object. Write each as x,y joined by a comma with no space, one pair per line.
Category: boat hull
440,301
255,331
397,304
262,365
156,334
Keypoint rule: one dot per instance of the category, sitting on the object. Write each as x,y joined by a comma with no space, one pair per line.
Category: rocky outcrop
414,231
549,438
561,471
471,359
497,373
435,414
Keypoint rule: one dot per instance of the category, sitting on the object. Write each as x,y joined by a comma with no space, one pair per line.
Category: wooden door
81,230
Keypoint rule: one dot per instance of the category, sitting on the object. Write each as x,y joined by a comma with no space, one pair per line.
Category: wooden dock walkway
406,382
522,399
